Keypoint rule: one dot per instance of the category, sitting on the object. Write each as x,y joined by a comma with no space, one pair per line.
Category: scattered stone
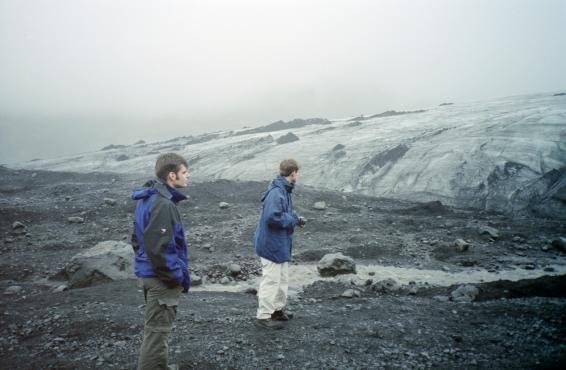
110,201
223,205
76,220
196,280
386,286
14,289
559,244
441,298
333,264
351,293
320,206
461,245
61,288
356,239
465,293
488,230
18,225
234,269
251,291
224,280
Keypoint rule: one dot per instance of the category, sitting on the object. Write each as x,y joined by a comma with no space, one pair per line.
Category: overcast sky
77,75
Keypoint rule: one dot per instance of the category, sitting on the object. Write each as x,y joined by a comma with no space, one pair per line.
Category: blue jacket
273,239
158,238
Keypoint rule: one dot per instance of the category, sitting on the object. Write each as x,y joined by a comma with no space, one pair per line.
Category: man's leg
268,288
160,312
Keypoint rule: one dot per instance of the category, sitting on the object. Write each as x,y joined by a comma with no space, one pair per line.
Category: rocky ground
47,217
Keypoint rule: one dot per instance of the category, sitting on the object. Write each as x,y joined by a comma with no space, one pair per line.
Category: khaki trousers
272,292
160,312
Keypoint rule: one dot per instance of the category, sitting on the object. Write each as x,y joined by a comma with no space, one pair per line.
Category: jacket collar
168,192
282,183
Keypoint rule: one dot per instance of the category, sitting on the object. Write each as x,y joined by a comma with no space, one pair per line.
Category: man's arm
275,215
157,236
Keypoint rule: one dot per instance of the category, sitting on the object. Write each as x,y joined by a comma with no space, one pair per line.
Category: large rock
320,206
335,264
106,261
559,244
461,245
487,230
465,293
386,286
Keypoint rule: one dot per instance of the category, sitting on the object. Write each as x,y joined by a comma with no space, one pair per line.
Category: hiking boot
268,324
280,315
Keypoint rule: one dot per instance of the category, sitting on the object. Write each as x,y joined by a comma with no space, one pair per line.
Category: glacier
505,155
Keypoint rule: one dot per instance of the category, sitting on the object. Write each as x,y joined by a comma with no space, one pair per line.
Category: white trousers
272,293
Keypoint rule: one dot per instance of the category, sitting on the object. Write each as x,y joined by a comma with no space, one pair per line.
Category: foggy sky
77,75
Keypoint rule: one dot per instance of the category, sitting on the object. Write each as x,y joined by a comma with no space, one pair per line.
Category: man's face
294,176
179,179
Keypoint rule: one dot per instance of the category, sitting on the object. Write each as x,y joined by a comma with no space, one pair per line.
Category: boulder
465,293
559,244
223,205
14,289
386,286
488,230
335,264
110,201
106,261
320,206
18,225
76,220
196,280
461,245
234,269
351,293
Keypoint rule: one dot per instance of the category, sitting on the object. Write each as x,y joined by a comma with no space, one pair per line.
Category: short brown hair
169,162
287,167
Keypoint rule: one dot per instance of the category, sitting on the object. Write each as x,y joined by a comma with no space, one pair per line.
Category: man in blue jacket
161,255
273,243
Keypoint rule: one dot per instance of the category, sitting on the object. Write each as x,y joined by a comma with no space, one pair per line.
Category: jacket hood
157,186
278,182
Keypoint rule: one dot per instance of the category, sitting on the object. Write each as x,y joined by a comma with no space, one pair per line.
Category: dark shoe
281,316
269,324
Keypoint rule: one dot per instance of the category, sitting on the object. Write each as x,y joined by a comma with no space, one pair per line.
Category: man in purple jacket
273,243
161,255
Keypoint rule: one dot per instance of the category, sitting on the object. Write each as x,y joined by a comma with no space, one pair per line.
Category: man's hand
302,222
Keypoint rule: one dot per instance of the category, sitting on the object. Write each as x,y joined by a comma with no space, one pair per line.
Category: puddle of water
302,275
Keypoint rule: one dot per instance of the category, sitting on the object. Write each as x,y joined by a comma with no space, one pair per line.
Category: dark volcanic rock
433,208
559,244
287,138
